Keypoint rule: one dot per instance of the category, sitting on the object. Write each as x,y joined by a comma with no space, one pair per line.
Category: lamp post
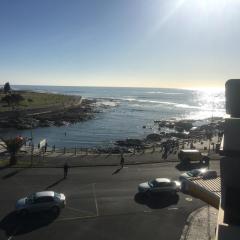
32,147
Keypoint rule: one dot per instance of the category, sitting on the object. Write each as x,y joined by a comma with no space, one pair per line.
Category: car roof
44,194
161,180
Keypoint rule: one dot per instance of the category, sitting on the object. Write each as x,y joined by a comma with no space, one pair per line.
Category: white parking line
16,230
95,199
78,210
173,208
75,218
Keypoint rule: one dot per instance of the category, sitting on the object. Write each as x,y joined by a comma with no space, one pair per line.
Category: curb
188,223
88,166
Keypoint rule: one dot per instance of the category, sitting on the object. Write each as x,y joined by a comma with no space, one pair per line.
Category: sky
120,43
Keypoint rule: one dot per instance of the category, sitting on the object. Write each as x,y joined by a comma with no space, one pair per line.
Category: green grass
4,162
33,100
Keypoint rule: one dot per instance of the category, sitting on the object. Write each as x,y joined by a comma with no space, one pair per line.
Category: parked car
186,156
202,172
40,201
209,174
159,185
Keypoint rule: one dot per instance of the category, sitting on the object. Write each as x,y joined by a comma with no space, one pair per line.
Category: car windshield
31,198
57,195
153,183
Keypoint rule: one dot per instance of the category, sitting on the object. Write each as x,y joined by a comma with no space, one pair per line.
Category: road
101,204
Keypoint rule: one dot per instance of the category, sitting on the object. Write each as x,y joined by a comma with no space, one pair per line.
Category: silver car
202,172
159,185
40,201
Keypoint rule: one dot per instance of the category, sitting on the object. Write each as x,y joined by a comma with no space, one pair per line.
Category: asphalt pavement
102,203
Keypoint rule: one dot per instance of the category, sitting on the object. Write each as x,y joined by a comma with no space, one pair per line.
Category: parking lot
102,203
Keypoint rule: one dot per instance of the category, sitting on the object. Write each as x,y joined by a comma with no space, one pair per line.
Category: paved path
102,203
57,159
201,224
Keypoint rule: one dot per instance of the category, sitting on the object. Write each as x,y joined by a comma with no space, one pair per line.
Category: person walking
65,168
122,160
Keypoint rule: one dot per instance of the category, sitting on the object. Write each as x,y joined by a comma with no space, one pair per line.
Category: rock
59,123
153,137
184,124
177,135
179,129
130,142
46,123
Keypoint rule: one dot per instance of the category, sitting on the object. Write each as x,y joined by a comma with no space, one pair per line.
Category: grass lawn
4,162
33,100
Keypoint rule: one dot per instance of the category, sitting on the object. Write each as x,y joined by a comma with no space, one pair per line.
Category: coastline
115,114
73,109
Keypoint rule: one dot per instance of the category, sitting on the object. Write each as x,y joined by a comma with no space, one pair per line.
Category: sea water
124,113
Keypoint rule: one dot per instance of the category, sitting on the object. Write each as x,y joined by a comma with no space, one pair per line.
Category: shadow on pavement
188,167
117,171
157,201
14,224
13,173
4,167
55,183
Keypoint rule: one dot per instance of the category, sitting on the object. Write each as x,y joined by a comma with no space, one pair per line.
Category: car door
165,187
48,202
43,203
159,187
35,205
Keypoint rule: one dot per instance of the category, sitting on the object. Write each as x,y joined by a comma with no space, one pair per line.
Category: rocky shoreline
172,135
174,132
47,117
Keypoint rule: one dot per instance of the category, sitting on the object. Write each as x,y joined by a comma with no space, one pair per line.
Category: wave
110,102
174,104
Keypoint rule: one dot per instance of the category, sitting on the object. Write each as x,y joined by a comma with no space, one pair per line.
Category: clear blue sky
144,43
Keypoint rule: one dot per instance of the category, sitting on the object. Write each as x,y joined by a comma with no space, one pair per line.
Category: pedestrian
122,160
45,147
65,168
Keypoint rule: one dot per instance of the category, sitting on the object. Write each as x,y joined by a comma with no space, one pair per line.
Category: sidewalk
201,224
50,159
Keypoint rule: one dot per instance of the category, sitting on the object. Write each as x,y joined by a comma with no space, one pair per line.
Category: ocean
124,112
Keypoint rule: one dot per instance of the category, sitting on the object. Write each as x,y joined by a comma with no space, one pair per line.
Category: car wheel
55,210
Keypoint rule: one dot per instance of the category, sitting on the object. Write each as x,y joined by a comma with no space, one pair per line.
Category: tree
12,146
13,99
7,88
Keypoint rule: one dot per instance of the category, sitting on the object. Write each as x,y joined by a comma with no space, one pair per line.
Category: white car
159,185
40,201
202,172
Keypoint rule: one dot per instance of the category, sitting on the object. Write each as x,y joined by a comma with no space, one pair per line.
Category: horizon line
182,88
